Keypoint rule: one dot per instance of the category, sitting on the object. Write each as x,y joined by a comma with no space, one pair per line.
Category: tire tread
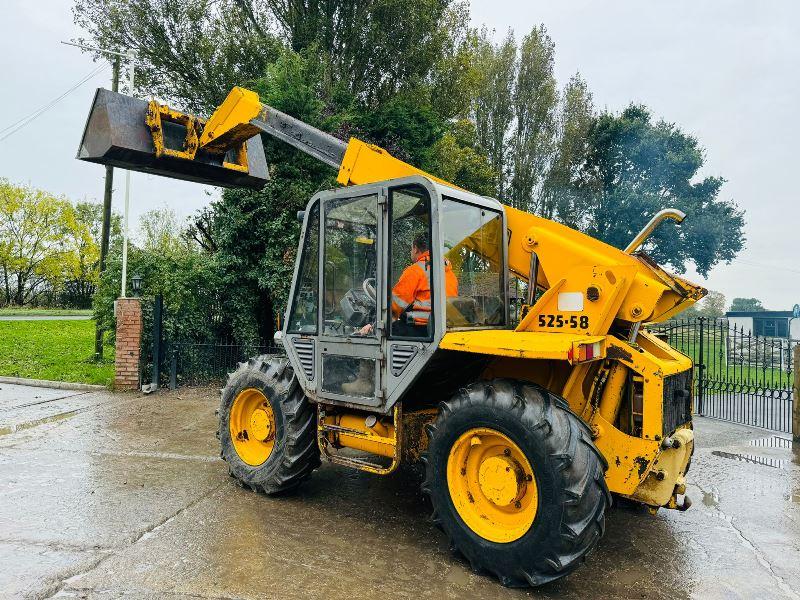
570,452
299,452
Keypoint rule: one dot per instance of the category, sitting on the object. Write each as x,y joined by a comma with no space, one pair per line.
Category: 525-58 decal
573,322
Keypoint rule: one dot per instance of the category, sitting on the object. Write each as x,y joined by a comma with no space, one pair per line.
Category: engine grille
305,352
677,401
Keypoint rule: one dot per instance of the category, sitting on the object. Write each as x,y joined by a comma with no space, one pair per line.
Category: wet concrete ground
110,495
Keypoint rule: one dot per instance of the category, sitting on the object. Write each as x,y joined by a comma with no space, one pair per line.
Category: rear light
586,351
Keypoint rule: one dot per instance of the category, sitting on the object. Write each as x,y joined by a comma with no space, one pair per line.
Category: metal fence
199,356
738,376
192,363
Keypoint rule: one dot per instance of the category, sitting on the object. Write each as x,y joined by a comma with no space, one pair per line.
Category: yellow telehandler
399,343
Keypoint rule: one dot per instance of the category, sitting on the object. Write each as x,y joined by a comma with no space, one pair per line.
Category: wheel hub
252,426
260,425
492,485
501,480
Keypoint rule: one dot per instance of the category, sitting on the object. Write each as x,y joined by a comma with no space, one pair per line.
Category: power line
763,266
17,125
37,112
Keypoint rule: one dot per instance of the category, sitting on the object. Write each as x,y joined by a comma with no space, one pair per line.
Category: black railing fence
738,376
200,355
188,363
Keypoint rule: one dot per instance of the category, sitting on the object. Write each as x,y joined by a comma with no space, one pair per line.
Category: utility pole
106,231
109,183
131,54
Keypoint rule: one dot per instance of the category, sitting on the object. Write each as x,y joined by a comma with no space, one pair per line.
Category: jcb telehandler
524,430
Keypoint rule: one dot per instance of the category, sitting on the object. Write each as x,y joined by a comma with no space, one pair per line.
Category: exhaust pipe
667,213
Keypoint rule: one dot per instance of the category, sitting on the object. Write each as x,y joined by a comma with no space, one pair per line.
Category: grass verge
42,312
53,350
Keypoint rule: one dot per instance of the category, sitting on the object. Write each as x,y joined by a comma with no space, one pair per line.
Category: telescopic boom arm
242,116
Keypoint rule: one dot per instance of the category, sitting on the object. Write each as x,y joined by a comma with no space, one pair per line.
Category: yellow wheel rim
252,426
492,485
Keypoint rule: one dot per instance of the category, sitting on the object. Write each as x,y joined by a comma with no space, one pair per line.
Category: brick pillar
129,340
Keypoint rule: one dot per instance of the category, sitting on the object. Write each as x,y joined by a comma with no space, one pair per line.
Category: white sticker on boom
570,301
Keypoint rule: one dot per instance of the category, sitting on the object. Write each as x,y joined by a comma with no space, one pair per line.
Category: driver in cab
411,295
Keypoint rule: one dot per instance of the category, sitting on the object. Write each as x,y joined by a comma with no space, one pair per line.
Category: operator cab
384,271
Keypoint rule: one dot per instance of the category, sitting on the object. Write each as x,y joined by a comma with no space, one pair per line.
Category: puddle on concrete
711,499
750,458
773,441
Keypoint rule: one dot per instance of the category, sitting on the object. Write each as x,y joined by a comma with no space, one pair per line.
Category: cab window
303,316
350,263
472,239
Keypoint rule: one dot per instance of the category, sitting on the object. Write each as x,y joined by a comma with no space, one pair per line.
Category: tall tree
747,305
190,53
563,196
535,98
39,233
454,74
635,168
373,49
493,104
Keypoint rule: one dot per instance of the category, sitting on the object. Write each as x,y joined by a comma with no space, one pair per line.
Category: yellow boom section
230,124
367,163
627,287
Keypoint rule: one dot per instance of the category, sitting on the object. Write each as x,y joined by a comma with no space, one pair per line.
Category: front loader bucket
117,134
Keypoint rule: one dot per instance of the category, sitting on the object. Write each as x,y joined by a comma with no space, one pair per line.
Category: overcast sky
725,71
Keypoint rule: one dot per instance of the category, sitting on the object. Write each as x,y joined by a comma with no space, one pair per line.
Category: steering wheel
369,289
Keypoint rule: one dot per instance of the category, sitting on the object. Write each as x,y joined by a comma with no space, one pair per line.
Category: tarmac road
109,495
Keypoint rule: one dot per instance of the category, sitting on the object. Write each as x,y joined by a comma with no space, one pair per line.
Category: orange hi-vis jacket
412,292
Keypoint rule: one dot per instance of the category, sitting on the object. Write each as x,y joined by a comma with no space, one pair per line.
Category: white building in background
766,323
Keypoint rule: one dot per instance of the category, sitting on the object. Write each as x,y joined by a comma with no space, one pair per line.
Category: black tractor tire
568,470
295,453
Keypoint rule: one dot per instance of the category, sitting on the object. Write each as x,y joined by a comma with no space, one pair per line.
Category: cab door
352,297
414,275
